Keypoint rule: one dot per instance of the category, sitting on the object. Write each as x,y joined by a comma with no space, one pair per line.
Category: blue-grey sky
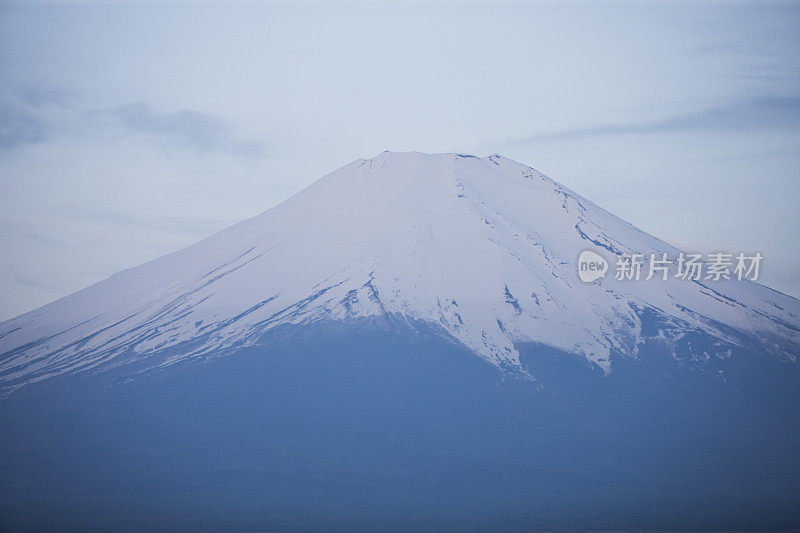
131,129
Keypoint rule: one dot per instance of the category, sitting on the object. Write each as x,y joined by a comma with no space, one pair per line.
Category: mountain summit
406,345
485,249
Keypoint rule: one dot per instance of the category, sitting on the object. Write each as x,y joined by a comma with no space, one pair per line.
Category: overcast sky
129,130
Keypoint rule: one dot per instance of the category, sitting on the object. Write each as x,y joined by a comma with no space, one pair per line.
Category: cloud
201,131
37,113
18,127
38,95
753,114
26,114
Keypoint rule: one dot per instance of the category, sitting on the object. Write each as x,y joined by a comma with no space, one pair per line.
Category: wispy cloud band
769,112
31,117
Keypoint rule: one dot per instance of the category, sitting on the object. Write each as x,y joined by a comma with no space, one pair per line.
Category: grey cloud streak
201,131
17,127
752,114
35,114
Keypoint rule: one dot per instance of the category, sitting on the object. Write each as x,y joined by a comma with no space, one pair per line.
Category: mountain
405,344
485,249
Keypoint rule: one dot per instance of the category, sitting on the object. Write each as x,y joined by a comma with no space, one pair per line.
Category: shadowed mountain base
389,427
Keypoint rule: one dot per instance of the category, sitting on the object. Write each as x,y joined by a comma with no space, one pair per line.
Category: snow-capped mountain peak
483,248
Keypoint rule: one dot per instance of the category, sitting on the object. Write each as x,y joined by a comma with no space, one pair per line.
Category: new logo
591,266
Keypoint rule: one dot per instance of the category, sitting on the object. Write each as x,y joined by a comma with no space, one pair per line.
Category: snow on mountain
484,248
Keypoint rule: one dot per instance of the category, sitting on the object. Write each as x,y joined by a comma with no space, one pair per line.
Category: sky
129,130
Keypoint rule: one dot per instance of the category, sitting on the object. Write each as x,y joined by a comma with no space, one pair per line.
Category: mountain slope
485,249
